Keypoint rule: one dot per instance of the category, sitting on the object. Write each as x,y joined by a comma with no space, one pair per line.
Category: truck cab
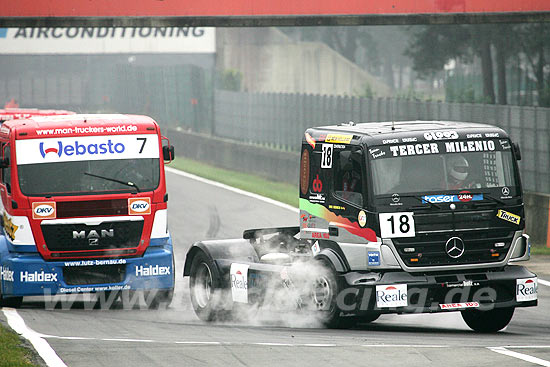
416,196
84,207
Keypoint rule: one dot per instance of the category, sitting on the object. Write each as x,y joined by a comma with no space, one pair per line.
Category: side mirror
168,153
4,163
357,155
517,152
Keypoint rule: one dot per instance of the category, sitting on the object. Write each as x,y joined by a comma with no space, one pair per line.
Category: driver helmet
457,167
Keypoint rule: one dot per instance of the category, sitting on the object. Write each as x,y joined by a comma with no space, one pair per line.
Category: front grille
91,208
82,237
102,274
478,230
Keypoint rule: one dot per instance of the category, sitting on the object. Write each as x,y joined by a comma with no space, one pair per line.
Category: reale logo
391,296
526,289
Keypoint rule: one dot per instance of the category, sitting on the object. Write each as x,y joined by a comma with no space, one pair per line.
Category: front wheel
324,294
488,321
14,302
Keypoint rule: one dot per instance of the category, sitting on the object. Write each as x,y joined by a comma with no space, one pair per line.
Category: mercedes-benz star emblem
454,247
505,191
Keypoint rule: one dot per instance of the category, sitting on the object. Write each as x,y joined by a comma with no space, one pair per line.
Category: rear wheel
488,321
205,287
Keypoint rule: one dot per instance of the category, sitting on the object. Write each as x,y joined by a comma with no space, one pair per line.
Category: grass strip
279,191
12,351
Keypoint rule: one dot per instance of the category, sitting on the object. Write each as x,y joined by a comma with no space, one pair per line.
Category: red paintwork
11,130
115,8
24,113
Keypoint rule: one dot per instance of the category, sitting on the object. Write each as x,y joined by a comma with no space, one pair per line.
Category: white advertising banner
86,148
106,40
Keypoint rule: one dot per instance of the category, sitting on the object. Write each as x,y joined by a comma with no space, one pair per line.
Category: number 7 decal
142,144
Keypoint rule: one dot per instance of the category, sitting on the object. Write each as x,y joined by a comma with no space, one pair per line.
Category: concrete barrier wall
284,166
269,163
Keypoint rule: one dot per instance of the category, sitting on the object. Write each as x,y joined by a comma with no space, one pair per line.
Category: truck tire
324,293
488,321
205,289
14,302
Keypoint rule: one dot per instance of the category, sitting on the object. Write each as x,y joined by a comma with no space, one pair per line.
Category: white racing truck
401,217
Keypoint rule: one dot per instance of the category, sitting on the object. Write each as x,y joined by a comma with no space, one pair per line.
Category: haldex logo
76,148
145,271
38,277
6,274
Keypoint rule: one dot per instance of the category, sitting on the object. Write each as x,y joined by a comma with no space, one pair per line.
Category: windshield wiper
127,183
494,199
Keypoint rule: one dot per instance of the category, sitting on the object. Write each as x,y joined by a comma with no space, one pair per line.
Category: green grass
540,250
279,191
12,351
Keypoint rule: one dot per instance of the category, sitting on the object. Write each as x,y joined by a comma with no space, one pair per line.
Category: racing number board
394,225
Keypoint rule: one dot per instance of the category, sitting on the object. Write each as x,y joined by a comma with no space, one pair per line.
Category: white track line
543,282
233,189
524,357
16,322
404,346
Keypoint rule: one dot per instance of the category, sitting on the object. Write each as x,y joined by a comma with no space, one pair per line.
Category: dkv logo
139,206
76,148
44,210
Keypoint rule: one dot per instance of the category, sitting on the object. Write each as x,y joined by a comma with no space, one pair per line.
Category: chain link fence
278,121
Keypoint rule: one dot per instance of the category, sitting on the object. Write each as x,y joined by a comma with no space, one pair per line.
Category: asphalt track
82,336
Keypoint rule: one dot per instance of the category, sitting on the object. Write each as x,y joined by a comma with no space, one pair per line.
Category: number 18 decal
326,159
396,225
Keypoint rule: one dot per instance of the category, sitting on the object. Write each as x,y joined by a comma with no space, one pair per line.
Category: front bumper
30,275
402,292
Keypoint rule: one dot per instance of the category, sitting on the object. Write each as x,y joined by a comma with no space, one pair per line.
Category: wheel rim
202,288
322,294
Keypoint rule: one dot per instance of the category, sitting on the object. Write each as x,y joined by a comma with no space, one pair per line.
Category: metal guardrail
278,120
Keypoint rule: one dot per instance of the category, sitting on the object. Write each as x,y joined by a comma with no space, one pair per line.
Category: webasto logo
81,149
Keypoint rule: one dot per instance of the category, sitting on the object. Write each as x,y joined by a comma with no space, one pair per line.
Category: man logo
92,236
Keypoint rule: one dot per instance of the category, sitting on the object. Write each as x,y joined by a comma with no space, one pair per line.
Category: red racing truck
84,207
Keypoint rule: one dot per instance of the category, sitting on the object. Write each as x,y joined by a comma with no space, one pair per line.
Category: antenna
391,112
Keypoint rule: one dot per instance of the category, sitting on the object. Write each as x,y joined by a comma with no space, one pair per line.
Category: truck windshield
442,166
75,178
